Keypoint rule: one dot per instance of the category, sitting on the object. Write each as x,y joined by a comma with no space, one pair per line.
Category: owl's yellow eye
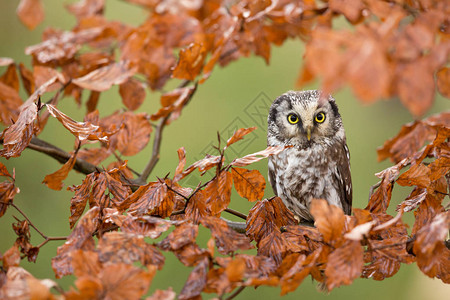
320,117
293,119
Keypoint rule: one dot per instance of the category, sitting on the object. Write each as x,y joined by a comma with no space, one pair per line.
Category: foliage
397,48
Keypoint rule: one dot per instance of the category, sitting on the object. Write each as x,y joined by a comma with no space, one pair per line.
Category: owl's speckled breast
303,174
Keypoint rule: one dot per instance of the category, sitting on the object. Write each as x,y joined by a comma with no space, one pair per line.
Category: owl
317,165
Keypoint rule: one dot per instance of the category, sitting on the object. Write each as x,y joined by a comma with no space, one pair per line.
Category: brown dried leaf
182,162
293,277
7,192
127,248
17,136
168,294
190,62
273,245
86,8
11,257
239,135
432,234
344,264
218,193
330,220
80,238
257,156
27,79
82,130
122,281
412,137
55,180
79,200
153,198
103,78
203,165
267,216
249,184
196,208
10,103
173,102
31,13
10,77
227,240
134,133
61,46
418,175
147,226
196,281
384,257
443,81
4,171
133,93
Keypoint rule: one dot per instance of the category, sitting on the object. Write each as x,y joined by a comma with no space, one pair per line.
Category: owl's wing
345,179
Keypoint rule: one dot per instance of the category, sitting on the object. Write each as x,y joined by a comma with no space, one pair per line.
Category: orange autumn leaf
249,184
31,13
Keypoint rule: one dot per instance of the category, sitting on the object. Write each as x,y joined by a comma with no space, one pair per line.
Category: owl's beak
308,133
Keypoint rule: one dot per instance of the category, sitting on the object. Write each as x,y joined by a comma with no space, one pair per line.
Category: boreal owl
317,165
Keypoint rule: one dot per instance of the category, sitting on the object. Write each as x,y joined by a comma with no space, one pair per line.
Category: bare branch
60,155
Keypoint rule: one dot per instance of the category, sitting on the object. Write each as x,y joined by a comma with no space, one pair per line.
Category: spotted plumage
317,166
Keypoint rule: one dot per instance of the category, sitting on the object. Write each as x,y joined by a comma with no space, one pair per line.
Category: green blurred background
235,96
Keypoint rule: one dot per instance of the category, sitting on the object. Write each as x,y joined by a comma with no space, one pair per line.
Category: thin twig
236,213
46,238
60,155
28,220
155,151
237,292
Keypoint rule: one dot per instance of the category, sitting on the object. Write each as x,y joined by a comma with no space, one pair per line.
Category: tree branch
155,151
60,155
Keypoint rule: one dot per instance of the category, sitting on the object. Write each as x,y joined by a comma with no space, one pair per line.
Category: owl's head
302,118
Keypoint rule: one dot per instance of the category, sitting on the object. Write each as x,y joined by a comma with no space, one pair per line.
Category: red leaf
227,240
103,78
10,103
344,264
31,13
11,257
249,184
10,77
7,192
218,193
257,156
329,219
133,93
